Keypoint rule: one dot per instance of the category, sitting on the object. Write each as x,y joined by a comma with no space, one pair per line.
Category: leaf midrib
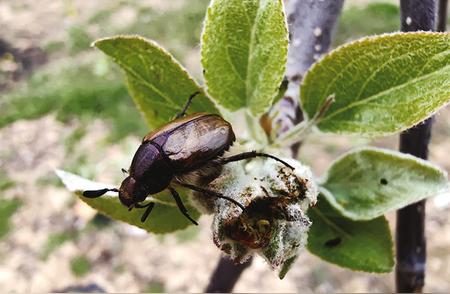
142,79
376,96
382,66
250,52
339,74
329,222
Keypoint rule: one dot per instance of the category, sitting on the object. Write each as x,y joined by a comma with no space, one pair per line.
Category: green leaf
286,266
244,51
358,245
165,217
367,183
159,85
382,84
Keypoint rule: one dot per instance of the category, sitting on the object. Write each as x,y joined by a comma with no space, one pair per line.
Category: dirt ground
122,258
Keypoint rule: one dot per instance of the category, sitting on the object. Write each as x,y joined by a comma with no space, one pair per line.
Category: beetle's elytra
185,152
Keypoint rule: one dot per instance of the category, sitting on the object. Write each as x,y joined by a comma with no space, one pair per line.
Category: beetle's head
131,192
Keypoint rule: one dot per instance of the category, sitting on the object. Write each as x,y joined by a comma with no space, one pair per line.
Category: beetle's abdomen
196,142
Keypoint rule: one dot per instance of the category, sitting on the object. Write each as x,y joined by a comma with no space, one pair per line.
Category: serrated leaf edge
328,195
164,51
332,53
250,111
380,271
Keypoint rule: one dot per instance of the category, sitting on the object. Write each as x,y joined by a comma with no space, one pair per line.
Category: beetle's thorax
150,172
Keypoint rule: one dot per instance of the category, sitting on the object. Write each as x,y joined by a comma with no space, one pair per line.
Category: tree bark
442,16
311,27
226,275
410,229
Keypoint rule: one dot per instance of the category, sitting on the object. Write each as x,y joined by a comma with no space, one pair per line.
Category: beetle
186,152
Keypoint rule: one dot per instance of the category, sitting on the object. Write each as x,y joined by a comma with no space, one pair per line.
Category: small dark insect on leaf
333,242
383,181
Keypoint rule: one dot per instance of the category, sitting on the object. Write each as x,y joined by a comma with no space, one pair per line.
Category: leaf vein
380,94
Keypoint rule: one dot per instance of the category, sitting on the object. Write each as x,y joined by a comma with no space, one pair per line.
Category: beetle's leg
252,154
211,193
147,211
181,206
186,106
97,193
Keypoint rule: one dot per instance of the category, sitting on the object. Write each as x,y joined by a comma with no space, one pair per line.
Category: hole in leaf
333,242
383,181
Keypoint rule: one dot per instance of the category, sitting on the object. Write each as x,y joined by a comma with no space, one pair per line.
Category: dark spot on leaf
333,242
383,181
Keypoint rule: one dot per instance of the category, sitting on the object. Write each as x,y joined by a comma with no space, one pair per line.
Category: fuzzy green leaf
382,84
164,218
159,85
286,266
358,245
244,51
370,182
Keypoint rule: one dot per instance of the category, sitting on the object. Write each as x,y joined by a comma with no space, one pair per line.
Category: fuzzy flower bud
274,223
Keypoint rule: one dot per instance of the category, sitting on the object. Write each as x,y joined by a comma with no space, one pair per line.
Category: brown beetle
186,152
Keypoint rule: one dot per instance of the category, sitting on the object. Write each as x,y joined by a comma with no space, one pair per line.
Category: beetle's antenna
186,106
124,171
98,193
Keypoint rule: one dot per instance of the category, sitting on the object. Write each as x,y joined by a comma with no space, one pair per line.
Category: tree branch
311,24
442,16
226,275
410,230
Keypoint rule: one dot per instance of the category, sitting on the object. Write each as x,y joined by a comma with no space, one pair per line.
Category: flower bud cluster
274,223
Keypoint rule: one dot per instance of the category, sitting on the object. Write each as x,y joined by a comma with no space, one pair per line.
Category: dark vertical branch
311,24
226,275
442,16
410,231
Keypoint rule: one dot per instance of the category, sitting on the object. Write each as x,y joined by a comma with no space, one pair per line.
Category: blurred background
64,105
